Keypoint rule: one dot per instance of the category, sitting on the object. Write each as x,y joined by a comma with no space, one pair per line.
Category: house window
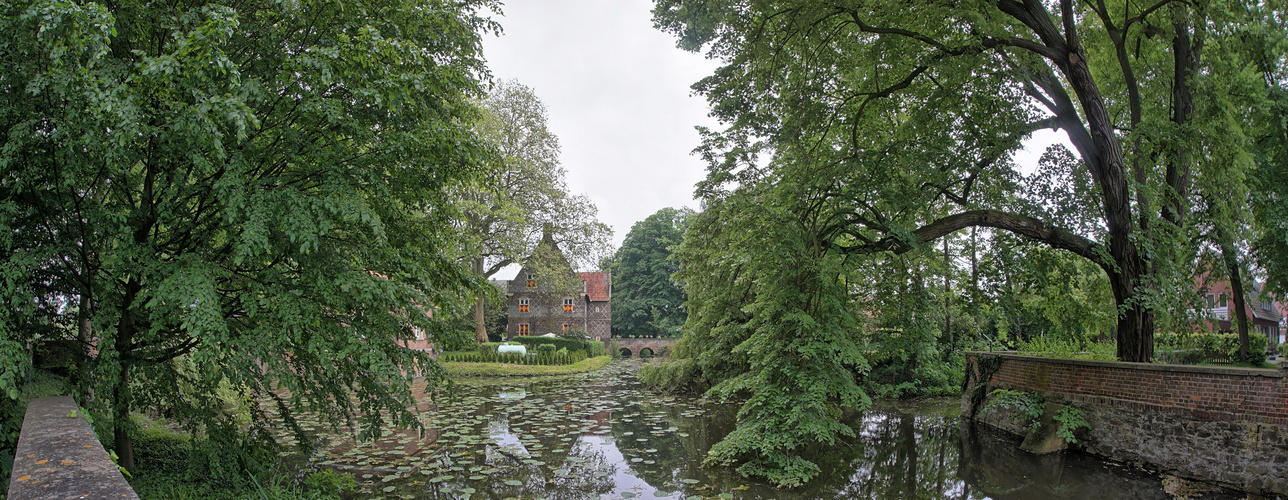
1211,300
1223,301
532,281
523,305
523,329
566,326
567,305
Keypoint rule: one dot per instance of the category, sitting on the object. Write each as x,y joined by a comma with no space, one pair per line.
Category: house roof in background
597,286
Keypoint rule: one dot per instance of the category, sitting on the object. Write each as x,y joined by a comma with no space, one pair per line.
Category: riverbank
489,370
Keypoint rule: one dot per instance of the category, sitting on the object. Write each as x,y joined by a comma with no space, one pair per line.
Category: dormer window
523,305
567,305
532,281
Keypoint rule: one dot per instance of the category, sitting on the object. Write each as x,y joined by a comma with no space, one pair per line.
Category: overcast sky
617,95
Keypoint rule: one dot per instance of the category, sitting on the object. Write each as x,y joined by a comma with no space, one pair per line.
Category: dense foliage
214,196
646,301
861,135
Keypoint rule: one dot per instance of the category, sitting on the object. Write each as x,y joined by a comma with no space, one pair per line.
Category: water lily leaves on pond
561,471
726,496
627,494
636,460
513,482
683,434
467,491
476,478
689,481
390,477
389,489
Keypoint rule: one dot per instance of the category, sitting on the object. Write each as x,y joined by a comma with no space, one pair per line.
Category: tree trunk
123,446
948,313
480,328
1236,287
1135,321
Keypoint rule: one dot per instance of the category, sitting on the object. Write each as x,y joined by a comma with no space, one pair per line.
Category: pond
601,435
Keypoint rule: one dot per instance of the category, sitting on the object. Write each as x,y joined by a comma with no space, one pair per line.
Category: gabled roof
597,286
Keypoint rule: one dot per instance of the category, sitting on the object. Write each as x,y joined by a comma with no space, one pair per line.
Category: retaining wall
1217,424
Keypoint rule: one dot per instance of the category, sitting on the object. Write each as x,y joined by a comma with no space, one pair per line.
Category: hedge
1190,348
540,358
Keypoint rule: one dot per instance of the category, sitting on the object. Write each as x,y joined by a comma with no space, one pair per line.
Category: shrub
460,357
594,348
547,348
1194,348
569,344
1050,347
542,357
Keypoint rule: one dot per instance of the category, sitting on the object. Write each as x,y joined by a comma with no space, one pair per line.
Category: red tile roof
596,286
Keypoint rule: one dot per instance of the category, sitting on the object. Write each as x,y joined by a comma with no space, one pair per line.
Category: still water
601,435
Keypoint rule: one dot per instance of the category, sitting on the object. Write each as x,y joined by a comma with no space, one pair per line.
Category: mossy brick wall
1217,424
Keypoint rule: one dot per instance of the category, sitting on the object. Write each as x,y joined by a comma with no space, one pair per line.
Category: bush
542,357
460,357
547,349
1050,347
558,342
1195,348
594,348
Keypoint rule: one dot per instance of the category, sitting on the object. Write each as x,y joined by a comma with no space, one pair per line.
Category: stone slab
59,457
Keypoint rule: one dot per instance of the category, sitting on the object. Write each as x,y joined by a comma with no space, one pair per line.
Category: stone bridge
654,347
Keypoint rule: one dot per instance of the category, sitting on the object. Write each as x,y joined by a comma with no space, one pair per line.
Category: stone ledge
1159,367
59,457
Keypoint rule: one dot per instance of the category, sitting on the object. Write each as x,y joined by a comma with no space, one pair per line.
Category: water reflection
602,436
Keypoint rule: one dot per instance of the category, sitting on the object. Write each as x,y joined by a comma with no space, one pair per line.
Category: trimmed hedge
1191,348
514,358
558,342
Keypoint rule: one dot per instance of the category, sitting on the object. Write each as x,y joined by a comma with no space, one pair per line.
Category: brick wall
1216,393
1217,424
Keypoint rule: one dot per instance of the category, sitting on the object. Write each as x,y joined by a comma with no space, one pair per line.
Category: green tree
503,213
943,94
646,301
245,196
893,125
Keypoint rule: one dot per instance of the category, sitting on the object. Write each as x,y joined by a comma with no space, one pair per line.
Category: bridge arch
638,346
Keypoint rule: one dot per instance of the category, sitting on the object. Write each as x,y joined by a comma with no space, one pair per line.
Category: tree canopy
857,134
646,301
503,213
213,195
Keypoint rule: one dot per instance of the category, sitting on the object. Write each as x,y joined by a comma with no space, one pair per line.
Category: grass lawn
466,370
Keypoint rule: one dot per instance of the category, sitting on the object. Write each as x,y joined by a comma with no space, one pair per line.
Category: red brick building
1265,315
537,306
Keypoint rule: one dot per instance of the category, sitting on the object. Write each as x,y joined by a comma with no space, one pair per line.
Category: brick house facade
533,308
1264,313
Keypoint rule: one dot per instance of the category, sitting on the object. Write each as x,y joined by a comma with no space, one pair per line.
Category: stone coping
59,456
1158,367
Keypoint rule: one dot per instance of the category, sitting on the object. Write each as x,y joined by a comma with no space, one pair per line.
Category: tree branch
1015,223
